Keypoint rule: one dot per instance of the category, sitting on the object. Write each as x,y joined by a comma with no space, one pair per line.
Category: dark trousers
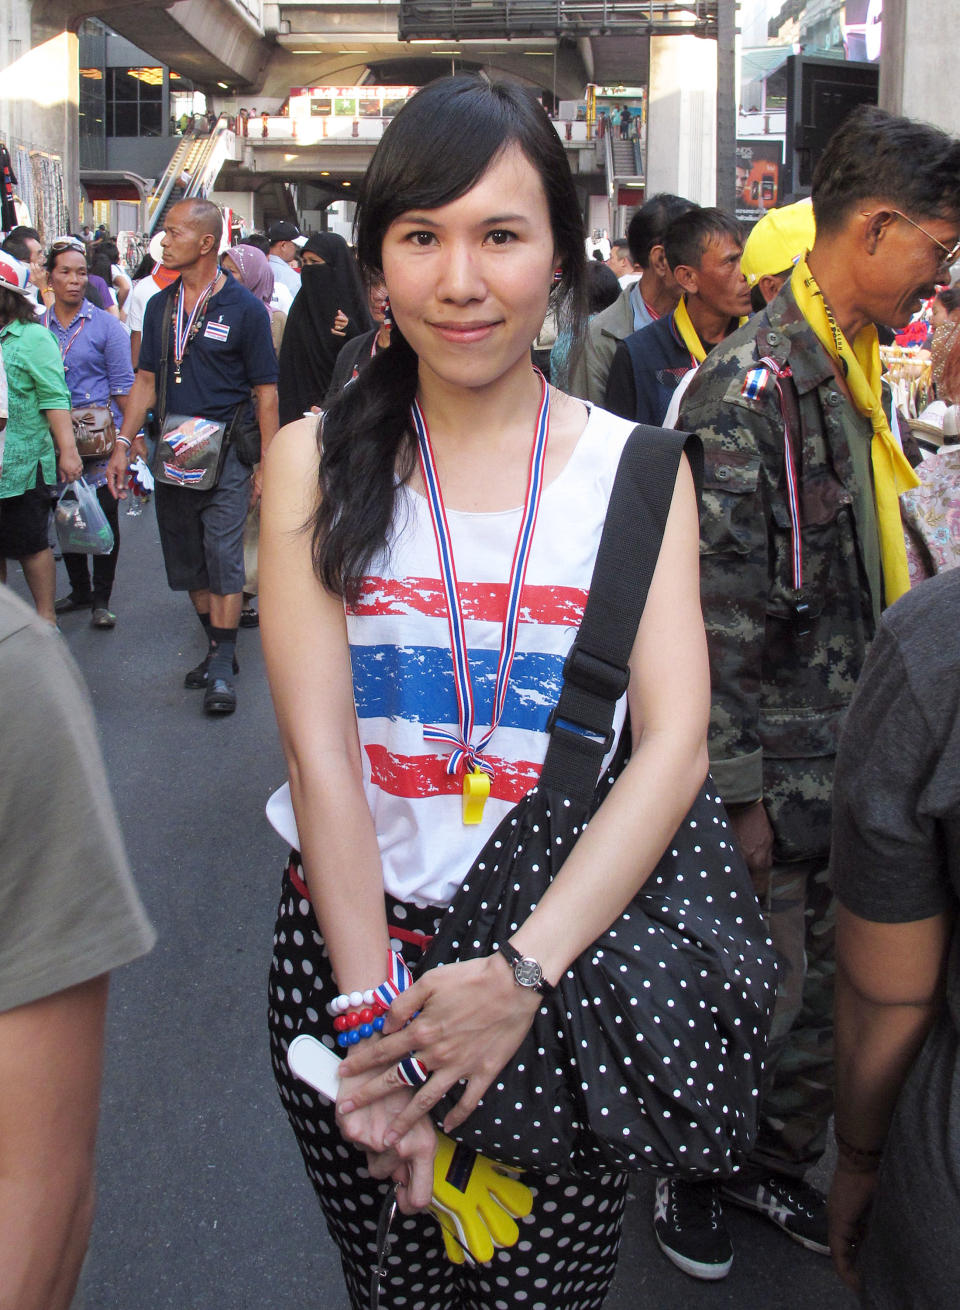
567,1253
104,566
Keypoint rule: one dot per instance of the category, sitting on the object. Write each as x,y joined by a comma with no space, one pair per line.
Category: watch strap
514,959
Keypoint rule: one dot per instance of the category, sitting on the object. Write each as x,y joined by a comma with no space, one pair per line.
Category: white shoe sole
708,1273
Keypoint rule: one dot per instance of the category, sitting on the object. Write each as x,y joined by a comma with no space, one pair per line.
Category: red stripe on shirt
485,601
416,777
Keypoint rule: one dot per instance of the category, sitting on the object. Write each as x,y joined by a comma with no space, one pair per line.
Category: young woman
470,216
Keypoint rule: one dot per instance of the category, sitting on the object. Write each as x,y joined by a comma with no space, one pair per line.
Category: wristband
862,1159
126,441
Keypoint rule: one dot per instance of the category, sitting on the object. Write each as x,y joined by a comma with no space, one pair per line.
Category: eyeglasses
950,253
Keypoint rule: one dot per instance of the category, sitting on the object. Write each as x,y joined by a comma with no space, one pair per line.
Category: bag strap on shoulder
596,672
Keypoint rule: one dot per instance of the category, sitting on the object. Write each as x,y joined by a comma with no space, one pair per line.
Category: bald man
218,350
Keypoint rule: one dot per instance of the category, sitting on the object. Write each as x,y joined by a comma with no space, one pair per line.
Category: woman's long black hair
439,145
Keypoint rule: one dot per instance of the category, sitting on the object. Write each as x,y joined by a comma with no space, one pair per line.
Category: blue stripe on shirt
416,683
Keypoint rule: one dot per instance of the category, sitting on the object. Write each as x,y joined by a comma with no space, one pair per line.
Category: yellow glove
476,1202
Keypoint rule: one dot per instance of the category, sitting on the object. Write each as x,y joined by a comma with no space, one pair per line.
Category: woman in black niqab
314,334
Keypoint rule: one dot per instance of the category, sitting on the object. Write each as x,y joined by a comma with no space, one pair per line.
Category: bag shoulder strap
596,672
167,294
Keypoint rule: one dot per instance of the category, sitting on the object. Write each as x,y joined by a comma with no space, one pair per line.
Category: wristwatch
526,971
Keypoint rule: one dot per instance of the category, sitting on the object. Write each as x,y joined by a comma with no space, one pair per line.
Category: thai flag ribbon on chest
466,753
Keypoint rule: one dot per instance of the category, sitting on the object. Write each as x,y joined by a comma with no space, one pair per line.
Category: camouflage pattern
797,1093
784,662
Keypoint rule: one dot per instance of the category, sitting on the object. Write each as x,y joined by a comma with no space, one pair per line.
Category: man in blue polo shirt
219,351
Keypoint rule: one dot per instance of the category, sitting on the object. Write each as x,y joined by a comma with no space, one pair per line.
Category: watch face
527,972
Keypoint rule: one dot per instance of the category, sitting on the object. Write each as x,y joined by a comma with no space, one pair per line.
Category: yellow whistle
476,789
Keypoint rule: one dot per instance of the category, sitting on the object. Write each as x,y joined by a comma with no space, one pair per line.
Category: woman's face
227,263
469,282
311,257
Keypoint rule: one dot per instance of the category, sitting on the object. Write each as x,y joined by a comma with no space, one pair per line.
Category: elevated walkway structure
462,19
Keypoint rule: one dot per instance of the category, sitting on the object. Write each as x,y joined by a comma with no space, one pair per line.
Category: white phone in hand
316,1064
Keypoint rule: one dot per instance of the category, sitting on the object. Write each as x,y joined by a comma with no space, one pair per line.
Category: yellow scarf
688,333
892,473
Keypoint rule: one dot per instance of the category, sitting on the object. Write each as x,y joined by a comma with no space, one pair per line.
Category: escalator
623,167
192,172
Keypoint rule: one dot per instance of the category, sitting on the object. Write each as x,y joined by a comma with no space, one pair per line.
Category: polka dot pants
567,1252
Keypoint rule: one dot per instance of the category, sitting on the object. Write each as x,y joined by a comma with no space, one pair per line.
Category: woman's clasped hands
464,1022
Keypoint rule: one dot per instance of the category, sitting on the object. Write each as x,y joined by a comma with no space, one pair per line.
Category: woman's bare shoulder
296,445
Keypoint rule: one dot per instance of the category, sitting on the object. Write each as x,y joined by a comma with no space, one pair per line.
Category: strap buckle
593,674
587,736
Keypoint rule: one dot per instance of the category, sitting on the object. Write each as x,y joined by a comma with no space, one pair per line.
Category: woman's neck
480,419
481,438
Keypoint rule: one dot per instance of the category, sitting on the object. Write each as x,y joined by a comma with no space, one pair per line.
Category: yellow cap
780,238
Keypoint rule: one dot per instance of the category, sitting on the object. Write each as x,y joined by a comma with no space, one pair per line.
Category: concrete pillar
682,120
38,94
918,61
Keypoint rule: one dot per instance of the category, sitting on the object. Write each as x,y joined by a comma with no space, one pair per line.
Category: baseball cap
14,275
780,238
285,231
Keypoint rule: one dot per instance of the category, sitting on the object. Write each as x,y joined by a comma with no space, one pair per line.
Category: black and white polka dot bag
648,1056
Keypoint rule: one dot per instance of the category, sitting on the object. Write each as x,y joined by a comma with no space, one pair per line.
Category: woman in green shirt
39,446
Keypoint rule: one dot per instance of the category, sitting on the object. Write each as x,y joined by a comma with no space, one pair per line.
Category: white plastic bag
82,527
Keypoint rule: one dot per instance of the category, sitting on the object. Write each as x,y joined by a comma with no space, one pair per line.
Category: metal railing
486,19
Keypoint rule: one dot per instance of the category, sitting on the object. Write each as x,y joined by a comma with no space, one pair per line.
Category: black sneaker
689,1228
793,1205
68,604
196,679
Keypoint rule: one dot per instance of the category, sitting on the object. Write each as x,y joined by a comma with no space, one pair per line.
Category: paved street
203,1201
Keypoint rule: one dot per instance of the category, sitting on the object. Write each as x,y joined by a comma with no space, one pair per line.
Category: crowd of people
419,513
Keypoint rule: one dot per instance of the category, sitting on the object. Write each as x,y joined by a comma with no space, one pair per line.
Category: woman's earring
387,316
558,274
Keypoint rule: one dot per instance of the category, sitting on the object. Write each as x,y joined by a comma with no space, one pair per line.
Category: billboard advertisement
759,166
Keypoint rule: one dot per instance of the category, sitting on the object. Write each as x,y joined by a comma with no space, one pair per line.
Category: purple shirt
96,357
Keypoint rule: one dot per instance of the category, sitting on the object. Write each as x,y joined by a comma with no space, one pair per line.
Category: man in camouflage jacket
786,648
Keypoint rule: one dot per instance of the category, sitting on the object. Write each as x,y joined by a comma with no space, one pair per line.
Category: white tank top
403,676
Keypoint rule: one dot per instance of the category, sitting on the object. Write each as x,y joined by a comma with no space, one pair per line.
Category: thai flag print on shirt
402,675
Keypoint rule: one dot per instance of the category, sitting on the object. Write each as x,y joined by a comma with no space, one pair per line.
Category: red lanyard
65,349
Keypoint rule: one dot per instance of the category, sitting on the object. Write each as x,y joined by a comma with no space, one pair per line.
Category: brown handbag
94,430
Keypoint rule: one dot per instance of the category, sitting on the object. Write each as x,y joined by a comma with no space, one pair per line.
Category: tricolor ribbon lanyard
466,756
65,348
183,326
790,467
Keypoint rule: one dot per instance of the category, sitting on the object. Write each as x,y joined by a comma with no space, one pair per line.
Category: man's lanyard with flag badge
186,326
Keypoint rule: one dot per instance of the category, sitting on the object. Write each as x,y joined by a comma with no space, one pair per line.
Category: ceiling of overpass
317,42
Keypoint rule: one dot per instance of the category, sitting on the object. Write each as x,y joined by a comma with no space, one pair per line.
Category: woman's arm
308,665
473,1016
888,990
